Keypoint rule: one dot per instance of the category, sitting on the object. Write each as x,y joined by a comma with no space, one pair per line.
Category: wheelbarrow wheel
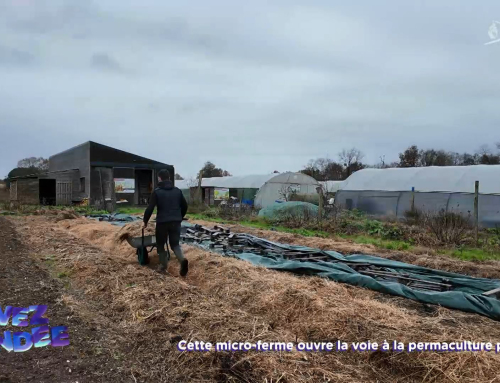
142,256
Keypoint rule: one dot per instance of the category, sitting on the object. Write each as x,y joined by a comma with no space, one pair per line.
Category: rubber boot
163,261
183,261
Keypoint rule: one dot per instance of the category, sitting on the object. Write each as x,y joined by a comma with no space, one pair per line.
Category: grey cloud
15,57
253,86
42,17
103,61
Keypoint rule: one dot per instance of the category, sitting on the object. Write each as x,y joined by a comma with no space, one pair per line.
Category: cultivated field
125,320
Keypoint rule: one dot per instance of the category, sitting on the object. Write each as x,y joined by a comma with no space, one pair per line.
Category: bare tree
311,169
486,156
484,150
351,156
283,193
382,162
39,163
323,169
351,159
287,192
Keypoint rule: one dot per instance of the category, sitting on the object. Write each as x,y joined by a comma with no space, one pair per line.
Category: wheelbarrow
145,245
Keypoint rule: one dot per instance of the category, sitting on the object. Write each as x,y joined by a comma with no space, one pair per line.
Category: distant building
92,174
388,192
258,190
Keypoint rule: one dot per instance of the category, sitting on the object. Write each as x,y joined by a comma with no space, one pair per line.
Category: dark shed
95,174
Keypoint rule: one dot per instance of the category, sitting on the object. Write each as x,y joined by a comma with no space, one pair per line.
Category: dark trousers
170,231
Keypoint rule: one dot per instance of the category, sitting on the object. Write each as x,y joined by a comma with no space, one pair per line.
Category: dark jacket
171,204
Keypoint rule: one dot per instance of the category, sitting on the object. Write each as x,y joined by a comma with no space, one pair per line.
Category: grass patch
264,225
205,218
378,242
85,210
471,254
49,261
132,210
57,272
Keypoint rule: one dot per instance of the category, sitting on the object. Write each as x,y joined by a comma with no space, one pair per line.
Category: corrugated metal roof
37,175
458,179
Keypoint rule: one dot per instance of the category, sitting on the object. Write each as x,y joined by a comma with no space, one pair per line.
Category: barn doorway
47,192
144,179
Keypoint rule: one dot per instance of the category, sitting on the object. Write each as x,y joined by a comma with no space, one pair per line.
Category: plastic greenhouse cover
466,295
457,179
235,182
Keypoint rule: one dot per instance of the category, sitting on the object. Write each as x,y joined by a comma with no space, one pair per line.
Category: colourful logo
41,336
493,33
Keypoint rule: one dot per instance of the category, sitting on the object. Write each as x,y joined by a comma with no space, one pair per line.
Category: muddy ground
24,281
125,320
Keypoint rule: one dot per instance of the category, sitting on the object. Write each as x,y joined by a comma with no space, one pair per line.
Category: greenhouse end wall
395,204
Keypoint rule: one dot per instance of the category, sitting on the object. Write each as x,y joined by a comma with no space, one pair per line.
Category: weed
374,227
414,217
448,227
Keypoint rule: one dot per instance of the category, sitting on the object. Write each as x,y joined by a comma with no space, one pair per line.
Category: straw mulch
224,299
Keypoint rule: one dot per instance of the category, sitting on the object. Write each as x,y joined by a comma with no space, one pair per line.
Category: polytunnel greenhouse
258,190
388,192
274,188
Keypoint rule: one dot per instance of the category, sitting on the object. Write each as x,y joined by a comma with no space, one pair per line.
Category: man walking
171,209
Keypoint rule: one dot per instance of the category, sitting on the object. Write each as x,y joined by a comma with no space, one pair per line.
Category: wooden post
320,208
200,196
413,199
476,212
102,191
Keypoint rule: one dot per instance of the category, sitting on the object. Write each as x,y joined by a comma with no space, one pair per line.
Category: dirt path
23,282
486,269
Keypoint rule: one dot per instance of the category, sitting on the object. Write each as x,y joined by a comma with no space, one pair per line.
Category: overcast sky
253,86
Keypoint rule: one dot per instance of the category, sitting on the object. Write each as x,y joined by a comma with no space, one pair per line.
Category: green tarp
291,208
466,294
